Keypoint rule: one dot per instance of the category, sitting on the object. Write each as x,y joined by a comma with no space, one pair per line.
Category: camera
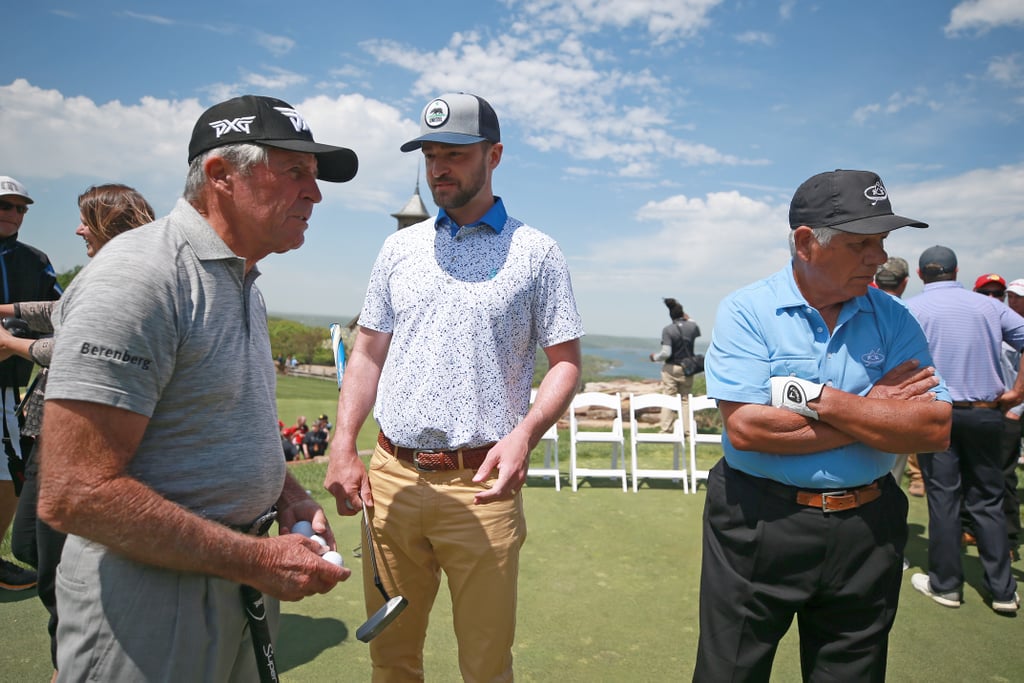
18,328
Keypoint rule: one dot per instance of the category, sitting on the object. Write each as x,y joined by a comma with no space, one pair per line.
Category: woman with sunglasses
106,211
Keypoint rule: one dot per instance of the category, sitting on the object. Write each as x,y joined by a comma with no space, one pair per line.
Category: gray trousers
125,621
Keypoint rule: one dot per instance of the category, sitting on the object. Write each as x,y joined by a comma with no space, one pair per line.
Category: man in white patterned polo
454,311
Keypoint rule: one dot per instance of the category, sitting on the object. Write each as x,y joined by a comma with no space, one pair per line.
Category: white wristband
793,393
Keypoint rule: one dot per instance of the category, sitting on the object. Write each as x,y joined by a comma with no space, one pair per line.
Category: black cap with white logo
851,201
273,123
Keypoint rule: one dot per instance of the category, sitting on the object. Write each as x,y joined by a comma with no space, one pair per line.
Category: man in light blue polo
820,380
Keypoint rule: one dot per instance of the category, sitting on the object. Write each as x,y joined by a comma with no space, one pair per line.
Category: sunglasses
7,206
998,294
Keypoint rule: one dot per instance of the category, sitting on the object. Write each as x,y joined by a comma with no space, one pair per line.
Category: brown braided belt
426,460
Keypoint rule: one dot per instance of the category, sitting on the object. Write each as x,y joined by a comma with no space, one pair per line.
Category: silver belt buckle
416,459
825,498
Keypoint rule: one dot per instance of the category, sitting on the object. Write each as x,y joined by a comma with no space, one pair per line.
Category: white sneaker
1007,606
906,564
922,584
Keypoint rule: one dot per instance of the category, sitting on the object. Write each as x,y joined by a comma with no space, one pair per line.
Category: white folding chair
675,438
697,404
613,436
550,443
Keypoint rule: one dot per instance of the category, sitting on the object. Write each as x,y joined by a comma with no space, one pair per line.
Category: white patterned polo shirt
466,314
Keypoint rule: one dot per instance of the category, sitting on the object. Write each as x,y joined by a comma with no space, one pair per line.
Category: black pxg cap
273,123
851,201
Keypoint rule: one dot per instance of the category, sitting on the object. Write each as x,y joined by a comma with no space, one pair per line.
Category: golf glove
793,393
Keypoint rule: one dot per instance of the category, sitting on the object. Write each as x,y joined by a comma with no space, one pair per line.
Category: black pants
36,543
1011,501
767,559
971,471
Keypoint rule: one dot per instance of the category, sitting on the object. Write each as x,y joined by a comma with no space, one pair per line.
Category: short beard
464,194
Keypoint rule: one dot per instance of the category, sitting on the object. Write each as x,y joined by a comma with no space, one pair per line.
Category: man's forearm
890,425
754,427
134,521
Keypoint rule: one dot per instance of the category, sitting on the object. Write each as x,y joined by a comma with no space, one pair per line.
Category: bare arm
898,415
511,455
1015,394
346,476
14,346
85,490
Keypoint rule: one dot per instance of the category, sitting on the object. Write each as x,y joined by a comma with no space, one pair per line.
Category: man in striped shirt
965,331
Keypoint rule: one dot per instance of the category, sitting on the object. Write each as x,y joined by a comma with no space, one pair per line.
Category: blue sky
659,141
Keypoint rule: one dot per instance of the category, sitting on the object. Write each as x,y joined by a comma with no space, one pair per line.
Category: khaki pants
426,523
673,382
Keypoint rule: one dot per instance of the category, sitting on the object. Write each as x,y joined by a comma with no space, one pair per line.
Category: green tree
308,344
64,279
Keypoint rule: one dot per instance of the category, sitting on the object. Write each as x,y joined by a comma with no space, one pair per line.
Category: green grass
608,592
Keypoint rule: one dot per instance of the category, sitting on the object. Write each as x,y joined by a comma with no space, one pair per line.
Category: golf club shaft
373,557
259,632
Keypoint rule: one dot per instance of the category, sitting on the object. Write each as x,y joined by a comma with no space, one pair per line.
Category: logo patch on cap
295,117
436,114
239,125
876,193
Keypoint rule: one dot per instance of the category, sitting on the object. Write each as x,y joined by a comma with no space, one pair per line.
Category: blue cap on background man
937,260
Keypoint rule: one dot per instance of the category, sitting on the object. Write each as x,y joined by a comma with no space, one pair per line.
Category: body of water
631,355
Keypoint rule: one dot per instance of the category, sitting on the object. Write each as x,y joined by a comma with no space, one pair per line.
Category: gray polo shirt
165,322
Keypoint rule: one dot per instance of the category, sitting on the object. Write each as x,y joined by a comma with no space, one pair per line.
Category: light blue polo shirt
768,329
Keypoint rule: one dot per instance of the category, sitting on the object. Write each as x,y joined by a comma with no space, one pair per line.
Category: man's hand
347,480
1009,399
511,456
289,567
310,511
906,382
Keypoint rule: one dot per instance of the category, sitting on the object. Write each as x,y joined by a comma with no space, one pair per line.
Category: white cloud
755,38
47,135
277,45
896,103
665,20
700,249
1007,70
562,99
149,18
275,79
982,15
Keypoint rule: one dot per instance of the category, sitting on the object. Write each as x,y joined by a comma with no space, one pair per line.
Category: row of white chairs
614,436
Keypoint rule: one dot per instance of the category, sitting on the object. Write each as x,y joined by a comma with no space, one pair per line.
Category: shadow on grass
303,638
17,596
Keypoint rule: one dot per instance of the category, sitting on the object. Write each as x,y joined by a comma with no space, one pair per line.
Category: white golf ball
304,528
319,539
334,558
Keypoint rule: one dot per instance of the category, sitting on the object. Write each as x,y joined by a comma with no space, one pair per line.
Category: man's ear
803,239
218,172
494,154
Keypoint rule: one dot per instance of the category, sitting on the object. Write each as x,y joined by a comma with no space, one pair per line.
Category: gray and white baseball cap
456,119
9,186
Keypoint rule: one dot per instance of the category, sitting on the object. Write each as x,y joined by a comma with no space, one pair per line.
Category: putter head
381,619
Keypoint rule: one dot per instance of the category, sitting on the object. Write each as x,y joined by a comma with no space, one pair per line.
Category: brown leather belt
427,460
838,501
976,404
